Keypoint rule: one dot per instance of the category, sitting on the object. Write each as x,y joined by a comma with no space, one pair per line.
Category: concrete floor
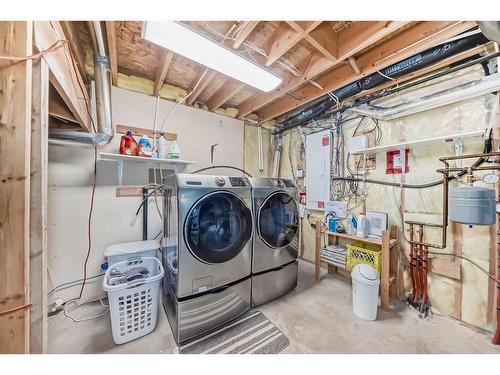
316,317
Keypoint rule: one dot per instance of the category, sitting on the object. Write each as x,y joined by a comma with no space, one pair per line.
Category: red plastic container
128,145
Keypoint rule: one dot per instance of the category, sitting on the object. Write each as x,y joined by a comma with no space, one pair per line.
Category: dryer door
278,220
217,227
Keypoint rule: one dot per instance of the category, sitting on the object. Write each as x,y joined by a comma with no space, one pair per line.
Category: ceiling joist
243,34
166,60
113,56
371,34
419,37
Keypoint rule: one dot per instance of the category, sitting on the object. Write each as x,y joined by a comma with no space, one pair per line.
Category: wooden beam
244,33
325,40
209,76
38,207
113,55
63,75
417,38
321,65
123,129
166,60
283,39
76,47
354,66
15,130
226,92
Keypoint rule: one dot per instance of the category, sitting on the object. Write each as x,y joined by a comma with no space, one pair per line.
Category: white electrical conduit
261,149
455,94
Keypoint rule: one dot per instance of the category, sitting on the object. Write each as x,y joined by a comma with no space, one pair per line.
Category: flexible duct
102,75
455,94
406,66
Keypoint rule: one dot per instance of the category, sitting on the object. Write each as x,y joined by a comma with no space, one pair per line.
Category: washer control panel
237,181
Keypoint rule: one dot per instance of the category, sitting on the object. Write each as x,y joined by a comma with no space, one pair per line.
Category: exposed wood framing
166,60
316,65
122,129
63,75
226,92
38,208
319,36
415,39
354,65
244,33
205,80
15,129
282,40
76,47
113,56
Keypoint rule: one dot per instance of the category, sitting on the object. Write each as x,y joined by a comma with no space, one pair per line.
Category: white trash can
365,285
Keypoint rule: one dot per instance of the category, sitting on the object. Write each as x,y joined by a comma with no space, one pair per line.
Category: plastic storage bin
363,253
133,306
365,284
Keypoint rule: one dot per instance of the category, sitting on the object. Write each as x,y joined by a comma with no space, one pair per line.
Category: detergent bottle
128,145
145,146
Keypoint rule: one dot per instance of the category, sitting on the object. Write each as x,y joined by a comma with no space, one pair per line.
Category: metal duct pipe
491,29
277,155
455,94
102,76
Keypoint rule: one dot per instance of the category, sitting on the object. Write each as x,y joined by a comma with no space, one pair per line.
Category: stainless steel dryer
274,258
206,251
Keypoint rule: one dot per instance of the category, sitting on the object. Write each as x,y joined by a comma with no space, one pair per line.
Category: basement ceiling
312,57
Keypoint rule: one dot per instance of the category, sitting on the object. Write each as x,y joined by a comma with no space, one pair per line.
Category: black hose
223,166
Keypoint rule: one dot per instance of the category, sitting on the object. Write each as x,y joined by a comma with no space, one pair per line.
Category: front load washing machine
206,251
275,245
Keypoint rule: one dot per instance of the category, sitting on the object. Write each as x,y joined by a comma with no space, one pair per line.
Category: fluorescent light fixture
181,40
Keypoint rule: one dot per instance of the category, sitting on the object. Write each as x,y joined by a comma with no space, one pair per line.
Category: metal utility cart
389,262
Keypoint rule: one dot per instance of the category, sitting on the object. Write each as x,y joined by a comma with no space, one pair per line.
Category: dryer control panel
237,181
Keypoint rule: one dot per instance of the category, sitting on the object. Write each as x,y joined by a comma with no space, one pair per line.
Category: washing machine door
217,227
278,220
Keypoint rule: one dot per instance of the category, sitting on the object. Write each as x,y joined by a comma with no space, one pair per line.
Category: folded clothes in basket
116,277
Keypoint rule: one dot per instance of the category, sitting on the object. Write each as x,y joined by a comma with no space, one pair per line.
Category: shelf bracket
119,171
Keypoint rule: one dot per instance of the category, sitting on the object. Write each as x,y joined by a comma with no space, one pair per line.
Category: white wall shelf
419,142
173,164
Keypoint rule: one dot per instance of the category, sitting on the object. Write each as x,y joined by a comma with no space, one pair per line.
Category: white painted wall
70,181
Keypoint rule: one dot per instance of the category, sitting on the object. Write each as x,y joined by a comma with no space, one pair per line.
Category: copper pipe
412,265
424,273
418,275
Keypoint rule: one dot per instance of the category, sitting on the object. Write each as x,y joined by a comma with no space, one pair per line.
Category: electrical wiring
79,320
54,47
72,283
17,308
89,225
468,260
182,100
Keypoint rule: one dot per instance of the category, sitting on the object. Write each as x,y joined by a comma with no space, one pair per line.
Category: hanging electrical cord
79,320
53,48
223,166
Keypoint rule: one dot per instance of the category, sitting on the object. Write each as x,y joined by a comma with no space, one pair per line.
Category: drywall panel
114,220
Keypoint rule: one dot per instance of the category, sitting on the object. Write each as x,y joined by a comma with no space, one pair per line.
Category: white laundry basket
133,306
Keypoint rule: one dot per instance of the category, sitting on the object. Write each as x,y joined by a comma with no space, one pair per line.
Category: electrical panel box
318,167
